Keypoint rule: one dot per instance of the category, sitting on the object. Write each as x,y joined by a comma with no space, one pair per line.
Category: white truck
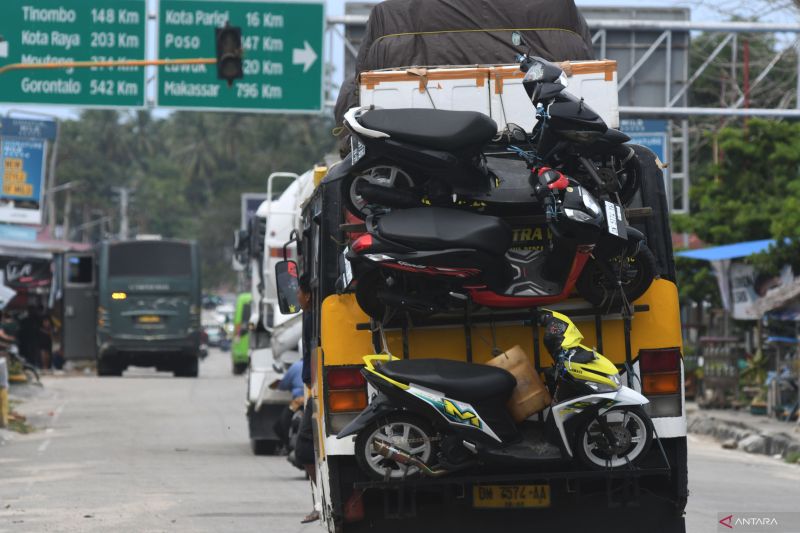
275,338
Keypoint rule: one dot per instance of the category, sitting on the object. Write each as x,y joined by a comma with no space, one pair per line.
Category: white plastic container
494,90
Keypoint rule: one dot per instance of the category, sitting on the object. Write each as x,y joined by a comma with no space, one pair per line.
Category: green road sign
282,55
49,31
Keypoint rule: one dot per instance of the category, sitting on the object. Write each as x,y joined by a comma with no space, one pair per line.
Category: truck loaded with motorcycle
452,255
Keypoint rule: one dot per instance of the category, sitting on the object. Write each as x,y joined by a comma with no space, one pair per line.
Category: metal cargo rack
526,318
399,497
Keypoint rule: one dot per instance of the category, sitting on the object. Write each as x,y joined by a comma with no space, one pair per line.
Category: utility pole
124,193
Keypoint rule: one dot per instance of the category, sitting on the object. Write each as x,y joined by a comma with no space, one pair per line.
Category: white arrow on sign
304,56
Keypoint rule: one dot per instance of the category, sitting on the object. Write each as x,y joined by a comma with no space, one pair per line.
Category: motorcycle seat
458,380
436,228
452,131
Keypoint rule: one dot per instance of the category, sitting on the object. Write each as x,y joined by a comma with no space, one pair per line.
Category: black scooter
403,158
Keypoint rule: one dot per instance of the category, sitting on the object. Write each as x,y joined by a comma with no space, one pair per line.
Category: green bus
149,304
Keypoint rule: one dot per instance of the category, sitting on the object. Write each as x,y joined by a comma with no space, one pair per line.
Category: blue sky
702,10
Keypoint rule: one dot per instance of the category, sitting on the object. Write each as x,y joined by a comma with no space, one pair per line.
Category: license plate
616,221
357,150
504,496
149,319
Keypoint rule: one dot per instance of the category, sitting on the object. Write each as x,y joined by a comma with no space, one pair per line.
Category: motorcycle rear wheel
389,176
408,433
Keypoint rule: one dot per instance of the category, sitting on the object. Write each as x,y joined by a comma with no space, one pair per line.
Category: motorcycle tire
368,290
632,167
354,203
381,469
588,454
595,287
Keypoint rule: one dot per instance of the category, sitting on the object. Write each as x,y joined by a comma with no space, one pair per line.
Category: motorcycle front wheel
411,435
636,273
632,429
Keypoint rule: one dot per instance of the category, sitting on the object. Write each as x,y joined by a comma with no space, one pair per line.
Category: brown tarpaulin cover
406,33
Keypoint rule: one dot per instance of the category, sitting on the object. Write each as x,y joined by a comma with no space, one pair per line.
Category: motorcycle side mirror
288,286
517,41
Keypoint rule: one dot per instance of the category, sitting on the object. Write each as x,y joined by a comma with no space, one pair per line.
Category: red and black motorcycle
431,259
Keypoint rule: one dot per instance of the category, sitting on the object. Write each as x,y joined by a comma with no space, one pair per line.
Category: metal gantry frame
664,32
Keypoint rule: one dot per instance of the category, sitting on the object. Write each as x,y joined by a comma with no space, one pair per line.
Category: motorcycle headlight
591,204
578,216
535,73
604,387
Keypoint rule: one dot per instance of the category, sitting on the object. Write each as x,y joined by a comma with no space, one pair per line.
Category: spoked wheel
634,274
632,430
388,176
407,433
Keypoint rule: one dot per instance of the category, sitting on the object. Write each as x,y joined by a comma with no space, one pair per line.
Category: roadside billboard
22,164
23,154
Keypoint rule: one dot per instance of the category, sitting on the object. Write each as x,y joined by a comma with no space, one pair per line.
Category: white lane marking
43,446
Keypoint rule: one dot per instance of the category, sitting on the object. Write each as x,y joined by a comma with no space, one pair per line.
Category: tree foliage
752,193
186,171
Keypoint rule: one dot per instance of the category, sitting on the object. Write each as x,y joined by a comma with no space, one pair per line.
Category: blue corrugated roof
728,251
785,340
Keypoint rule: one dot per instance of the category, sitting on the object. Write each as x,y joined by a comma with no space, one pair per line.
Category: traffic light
229,53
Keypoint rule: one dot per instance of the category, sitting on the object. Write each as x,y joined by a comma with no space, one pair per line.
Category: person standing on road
304,449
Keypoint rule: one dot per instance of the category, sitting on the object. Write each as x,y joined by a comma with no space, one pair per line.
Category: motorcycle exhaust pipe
401,457
387,196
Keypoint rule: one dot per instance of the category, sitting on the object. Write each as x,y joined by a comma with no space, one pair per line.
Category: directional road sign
282,55
52,31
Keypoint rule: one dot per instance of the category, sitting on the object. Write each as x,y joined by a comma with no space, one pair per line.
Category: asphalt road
148,452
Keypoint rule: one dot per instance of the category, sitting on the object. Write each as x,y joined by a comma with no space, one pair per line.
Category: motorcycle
430,259
432,417
402,158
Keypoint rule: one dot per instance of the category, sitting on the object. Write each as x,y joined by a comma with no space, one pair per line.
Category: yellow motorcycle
436,416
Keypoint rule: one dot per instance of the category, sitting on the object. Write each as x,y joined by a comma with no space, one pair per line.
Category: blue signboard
22,164
250,204
649,133
28,129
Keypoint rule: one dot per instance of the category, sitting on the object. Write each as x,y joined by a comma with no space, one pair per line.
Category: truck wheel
108,368
188,370
263,447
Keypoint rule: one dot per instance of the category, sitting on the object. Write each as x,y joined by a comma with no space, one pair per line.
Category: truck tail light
661,380
347,389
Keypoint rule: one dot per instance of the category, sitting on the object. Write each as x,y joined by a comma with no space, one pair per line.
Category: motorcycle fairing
379,407
456,413
593,404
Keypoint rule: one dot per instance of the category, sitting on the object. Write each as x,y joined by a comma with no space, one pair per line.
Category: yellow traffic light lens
118,295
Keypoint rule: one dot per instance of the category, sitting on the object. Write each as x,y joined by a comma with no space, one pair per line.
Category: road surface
148,452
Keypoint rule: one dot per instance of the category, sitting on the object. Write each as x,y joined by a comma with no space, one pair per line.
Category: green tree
752,193
186,171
